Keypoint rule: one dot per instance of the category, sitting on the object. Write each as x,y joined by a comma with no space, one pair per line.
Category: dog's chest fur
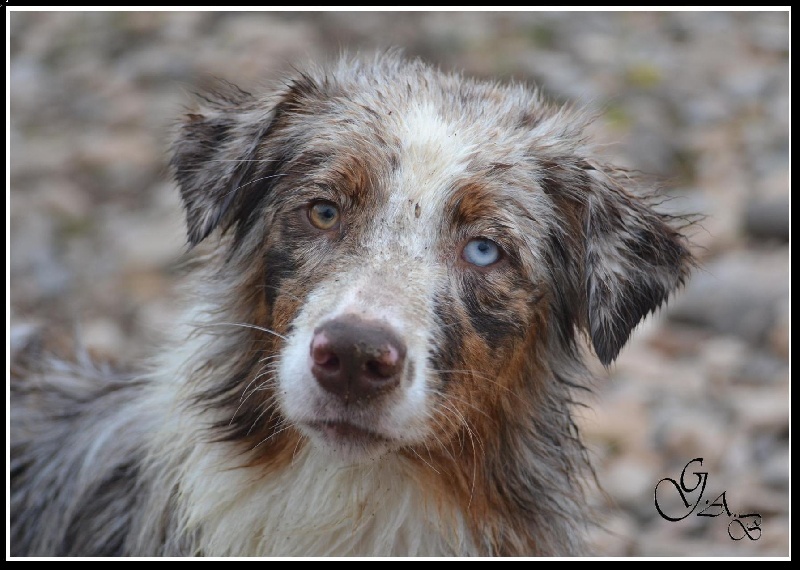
319,507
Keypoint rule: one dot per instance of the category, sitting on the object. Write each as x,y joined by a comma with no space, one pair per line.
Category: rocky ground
698,99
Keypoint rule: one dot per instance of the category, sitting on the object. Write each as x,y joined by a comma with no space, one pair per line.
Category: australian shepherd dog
382,343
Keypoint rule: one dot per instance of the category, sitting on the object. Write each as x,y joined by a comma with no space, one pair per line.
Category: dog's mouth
345,433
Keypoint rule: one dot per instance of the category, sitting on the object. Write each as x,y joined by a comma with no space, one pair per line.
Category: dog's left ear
634,259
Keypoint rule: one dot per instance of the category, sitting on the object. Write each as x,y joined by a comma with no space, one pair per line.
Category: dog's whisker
268,407
266,371
453,397
247,326
425,462
260,373
245,160
271,436
472,438
485,378
256,180
300,438
442,445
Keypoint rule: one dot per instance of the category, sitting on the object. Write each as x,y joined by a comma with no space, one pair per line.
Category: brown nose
356,359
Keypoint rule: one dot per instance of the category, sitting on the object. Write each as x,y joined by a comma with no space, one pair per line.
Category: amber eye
323,214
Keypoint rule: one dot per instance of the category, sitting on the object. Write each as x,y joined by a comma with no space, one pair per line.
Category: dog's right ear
220,157
212,156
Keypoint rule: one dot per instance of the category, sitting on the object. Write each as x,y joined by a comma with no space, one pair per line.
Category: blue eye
481,252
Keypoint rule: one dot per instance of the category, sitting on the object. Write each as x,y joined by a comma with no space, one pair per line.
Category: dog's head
423,249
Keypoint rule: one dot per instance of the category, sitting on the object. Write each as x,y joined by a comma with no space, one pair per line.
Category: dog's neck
317,506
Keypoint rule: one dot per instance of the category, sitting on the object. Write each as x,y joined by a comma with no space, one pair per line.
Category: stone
768,220
735,295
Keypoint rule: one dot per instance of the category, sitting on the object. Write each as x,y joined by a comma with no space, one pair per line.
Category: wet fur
205,454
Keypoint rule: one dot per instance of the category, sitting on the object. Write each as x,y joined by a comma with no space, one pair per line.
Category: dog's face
412,245
423,249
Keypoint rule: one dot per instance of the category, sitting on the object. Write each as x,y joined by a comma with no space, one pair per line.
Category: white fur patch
316,507
395,284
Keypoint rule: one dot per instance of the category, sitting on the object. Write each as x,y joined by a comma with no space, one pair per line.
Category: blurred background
699,99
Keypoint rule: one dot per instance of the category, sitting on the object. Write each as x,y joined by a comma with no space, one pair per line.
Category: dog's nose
357,359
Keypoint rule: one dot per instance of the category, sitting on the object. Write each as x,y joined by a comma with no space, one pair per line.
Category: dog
383,341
